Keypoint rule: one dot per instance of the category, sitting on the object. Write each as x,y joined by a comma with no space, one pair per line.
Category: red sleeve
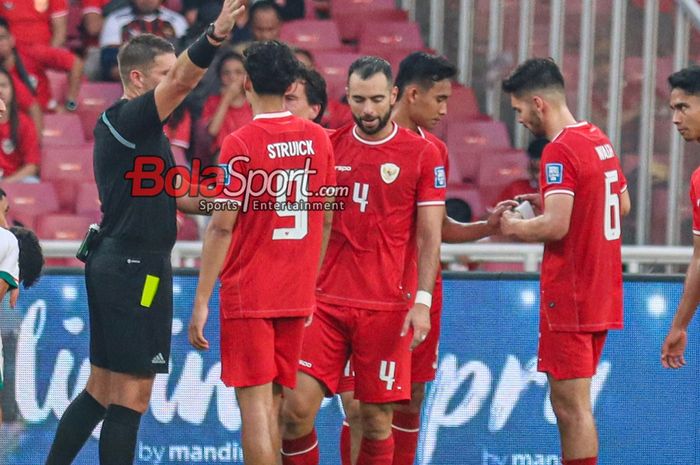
93,6
558,173
52,58
432,183
621,177
330,175
180,134
694,199
209,109
236,167
28,141
58,8
23,96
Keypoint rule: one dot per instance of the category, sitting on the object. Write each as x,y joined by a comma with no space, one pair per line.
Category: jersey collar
575,125
376,142
278,114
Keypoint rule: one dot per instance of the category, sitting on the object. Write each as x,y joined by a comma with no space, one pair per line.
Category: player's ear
316,108
538,102
247,84
394,94
412,93
136,78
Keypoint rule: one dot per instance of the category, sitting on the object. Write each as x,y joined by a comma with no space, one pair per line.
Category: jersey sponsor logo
389,172
440,177
8,146
554,172
605,152
343,168
294,148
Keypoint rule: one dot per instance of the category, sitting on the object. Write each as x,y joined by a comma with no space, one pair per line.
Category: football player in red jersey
685,104
424,87
366,306
581,278
268,257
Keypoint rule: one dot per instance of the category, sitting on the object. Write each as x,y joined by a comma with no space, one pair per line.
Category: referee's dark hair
315,90
687,80
271,67
424,70
139,53
31,257
368,66
534,74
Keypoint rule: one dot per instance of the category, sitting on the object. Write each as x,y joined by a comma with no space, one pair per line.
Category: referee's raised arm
193,62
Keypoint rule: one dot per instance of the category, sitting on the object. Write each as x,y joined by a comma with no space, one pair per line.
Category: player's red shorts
568,355
380,356
257,351
424,359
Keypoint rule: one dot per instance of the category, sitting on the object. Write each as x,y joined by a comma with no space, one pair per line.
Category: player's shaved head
368,66
423,70
687,80
536,75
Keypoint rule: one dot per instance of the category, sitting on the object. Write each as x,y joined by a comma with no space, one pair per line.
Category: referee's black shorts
131,308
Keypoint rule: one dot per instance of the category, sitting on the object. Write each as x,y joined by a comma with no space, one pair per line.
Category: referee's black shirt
129,129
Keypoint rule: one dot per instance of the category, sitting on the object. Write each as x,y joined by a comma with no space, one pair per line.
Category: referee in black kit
128,275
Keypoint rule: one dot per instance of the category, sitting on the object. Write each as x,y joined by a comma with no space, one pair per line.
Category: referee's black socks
118,436
75,427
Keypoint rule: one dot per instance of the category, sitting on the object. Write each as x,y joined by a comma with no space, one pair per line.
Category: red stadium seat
334,68
67,167
63,227
94,98
473,137
59,84
497,170
362,7
87,202
463,104
387,37
62,129
29,201
470,194
350,23
312,34
188,231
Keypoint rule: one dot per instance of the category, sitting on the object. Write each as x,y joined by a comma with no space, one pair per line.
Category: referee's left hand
200,313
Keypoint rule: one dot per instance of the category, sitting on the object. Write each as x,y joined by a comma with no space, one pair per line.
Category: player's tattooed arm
673,349
552,225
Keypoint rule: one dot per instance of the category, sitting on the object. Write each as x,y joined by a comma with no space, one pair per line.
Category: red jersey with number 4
695,200
271,267
367,263
581,282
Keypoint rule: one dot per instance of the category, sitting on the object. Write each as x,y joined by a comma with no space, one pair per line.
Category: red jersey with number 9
272,264
370,261
581,282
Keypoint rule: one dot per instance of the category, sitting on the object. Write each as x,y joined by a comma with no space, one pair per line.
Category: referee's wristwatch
211,33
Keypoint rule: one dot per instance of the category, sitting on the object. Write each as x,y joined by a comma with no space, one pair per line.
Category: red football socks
376,452
405,427
301,451
588,461
345,445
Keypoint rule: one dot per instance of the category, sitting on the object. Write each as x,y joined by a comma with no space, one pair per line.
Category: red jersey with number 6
368,261
581,282
271,266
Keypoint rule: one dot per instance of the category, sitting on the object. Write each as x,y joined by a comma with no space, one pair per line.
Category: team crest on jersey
389,172
8,146
440,177
555,173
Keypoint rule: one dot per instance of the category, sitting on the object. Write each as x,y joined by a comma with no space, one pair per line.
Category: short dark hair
534,150
229,55
368,66
424,70
4,23
262,5
315,90
687,79
271,67
2,193
31,257
140,52
458,210
534,74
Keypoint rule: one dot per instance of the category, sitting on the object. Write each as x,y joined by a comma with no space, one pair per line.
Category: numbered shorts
381,357
569,355
424,358
130,296
256,351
